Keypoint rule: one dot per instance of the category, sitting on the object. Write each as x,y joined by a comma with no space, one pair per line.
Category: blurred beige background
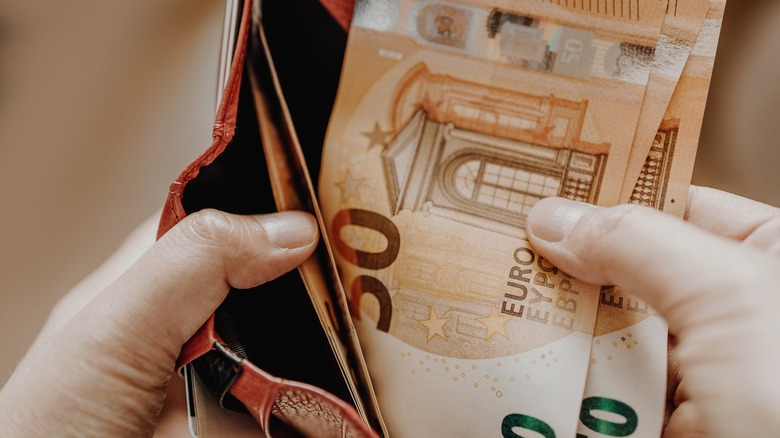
102,103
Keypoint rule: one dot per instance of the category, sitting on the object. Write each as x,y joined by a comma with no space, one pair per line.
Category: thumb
110,364
685,273
718,297
184,277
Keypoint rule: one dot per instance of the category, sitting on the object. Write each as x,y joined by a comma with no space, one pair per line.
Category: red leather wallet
341,10
230,175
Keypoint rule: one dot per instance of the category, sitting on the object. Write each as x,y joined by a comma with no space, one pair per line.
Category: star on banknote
495,323
376,137
435,326
349,187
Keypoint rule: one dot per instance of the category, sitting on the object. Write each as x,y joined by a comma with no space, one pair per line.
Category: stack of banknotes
453,118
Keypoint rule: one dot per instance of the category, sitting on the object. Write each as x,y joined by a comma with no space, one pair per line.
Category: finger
755,224
673,376
681,394
682,271
685,422
716,294
175,286
126,340
174,420
727,214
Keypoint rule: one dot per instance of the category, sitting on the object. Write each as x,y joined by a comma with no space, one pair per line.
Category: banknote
683,20
451,121
293,190
668,166
627,374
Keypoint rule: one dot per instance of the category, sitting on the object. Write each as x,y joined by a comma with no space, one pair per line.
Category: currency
628,368
668,165
294,190
452,121
679,33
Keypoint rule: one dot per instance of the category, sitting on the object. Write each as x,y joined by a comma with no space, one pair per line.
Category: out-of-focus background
102,103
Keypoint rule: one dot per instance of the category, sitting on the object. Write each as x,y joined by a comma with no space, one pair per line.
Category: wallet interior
274,325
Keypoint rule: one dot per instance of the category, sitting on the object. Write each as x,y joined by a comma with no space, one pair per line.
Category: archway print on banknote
458,117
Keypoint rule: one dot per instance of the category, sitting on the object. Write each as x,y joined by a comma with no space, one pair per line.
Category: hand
716,279
102,363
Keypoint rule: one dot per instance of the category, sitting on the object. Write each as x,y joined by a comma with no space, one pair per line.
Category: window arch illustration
497,188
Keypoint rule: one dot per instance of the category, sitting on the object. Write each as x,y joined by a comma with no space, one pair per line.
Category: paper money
452,120
668,167
294,190
684,19
627,374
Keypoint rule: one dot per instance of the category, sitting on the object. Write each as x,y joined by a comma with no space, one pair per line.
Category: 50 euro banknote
627,377
452,120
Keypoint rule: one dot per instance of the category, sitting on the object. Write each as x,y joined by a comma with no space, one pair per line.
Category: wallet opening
307,46
274,325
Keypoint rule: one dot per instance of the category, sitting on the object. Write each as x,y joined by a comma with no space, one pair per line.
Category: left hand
102,364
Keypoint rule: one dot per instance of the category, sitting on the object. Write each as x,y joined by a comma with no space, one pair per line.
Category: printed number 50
366,284
589,405
572,51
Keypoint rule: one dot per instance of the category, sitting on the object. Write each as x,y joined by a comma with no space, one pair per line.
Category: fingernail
553,218
290,229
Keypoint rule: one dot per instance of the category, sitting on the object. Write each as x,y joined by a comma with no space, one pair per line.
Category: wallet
265,352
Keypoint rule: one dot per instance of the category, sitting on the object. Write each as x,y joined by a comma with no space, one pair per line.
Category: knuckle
603,233
750,274
766,236
617,217
208,226
604,225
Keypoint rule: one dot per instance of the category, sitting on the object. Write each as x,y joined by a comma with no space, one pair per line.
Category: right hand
716,280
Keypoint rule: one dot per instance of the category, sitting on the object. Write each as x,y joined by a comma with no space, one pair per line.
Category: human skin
104,362
101,365
715,277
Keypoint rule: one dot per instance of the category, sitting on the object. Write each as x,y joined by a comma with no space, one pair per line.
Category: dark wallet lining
274,325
